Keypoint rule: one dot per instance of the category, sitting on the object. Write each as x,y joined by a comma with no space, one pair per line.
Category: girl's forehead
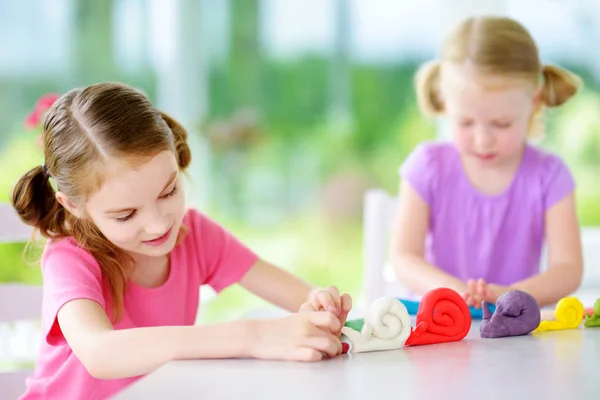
485,96
467,74
128,182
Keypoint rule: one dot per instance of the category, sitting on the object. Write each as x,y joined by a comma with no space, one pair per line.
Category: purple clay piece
517,313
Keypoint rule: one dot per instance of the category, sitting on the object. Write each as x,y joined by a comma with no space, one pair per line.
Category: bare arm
277,286
110,354
408,246
115,354
565,259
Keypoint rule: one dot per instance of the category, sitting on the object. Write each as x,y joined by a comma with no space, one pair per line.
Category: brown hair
81,132
498,46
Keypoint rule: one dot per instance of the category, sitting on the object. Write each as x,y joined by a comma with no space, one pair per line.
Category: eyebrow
122,210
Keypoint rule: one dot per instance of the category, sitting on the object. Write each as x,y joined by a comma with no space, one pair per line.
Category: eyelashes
132,214
126,218
170,194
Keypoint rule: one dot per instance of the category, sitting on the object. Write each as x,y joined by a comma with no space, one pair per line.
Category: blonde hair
81,132
502,47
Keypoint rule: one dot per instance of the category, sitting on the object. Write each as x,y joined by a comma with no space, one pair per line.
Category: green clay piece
355,324
593,321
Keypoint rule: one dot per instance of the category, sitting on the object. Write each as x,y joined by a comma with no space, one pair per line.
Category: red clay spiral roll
443,316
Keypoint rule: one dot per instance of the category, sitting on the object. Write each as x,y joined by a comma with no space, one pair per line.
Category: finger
324,300
306,307
335,295
490,296
467,298
470,300
307,354
481,287
328,344
472,286
346,303
477,301
325,320
474,301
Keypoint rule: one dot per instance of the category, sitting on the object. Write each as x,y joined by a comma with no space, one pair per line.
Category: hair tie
45,170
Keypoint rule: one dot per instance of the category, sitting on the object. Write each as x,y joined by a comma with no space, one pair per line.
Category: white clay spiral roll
387,326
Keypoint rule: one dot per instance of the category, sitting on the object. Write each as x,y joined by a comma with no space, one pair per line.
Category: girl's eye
166,196
465,123
502,125
126,218
170,194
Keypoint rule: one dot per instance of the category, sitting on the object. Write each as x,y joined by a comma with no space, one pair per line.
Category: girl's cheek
118,232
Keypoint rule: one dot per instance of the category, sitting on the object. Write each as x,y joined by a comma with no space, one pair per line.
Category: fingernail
345,347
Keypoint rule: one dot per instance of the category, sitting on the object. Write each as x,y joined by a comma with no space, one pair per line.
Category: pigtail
427,83
35,202
184,155
559,85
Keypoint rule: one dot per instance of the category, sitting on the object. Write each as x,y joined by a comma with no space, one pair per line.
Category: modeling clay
592,320
517,313
568,316
443,317
386,326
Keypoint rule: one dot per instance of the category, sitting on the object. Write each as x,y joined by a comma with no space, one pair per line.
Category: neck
492,179
149,271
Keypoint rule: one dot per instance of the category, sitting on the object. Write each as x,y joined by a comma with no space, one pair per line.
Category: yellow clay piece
568,315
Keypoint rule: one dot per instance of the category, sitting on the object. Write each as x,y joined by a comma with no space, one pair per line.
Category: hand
495,291
329,299
479,290
299,337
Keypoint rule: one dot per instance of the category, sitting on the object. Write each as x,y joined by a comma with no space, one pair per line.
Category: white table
549,365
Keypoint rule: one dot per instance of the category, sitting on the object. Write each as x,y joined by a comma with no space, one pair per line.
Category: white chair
18,303
379,277
378,217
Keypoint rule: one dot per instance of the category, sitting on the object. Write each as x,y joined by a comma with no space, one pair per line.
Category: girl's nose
158,223
483,139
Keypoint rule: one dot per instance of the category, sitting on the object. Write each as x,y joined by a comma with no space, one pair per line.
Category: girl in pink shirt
475,211
125,259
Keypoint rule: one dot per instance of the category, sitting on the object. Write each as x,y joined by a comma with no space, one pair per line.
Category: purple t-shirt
471,235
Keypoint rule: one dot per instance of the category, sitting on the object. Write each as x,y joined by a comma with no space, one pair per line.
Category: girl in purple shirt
474,212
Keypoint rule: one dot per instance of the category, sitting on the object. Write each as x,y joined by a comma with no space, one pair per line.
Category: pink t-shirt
207,255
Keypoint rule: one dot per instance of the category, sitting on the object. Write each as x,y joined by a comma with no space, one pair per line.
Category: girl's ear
66,202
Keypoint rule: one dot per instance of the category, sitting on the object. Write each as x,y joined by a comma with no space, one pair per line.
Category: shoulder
197,224
199,232
428,160
433,149
552,175
69,272
65,256
426,164
546,164
192,220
